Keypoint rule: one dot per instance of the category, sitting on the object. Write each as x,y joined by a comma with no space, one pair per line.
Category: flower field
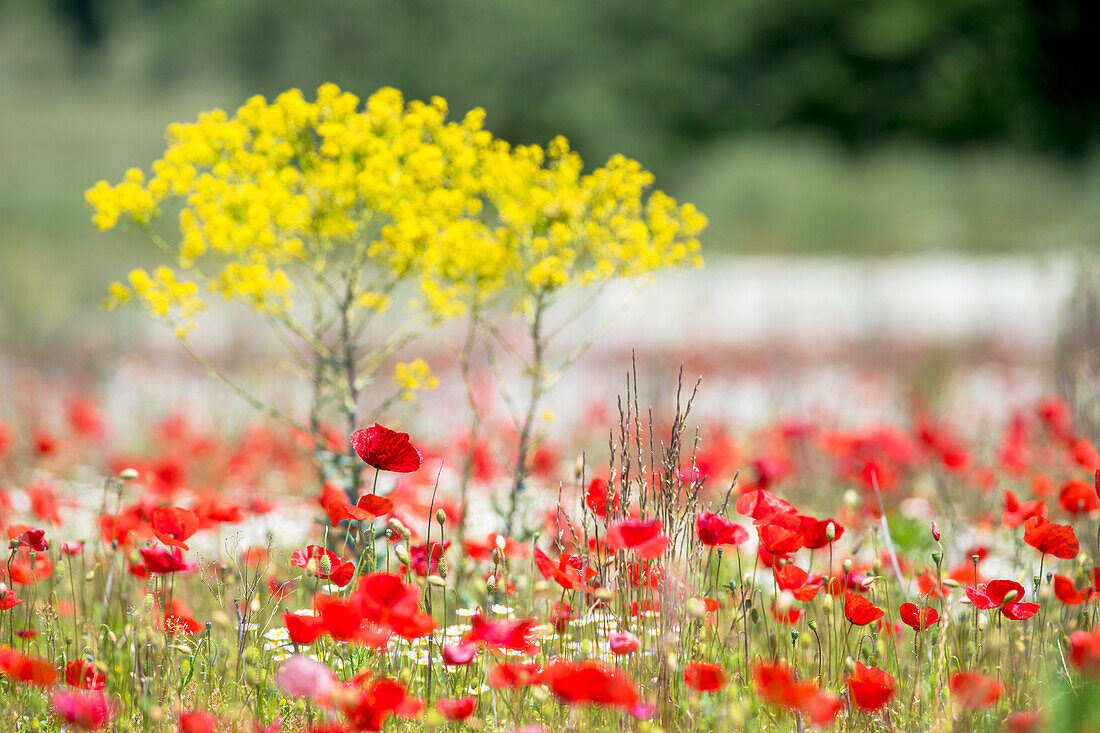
404,535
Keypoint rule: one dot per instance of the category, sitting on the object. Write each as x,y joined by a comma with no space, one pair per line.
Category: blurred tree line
655,78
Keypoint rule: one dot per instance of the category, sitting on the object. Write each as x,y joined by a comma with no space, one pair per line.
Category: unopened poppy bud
851,498
395,524
1011,596
498,557
402,553
491,584
444,567
147,603
830,531
441,517
696,608
578,468
850,664
326,564
951,583
128,474
965,601
501,543
937,557
311,566
935,531
437,581
847,565
867,582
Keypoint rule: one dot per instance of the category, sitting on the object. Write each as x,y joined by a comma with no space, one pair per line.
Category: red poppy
178,619
780,533
314,558
623,643
918,618
870,687
1023,722
815,532
1066,592
368,508
1052,539
590,682
775,683
1017,512
1084,651
10,600
566,572
859,610
459,709
460,654
385,600
303,629
34,539
796,580
600,496
386,450
197,721
1078,497
514,635
83,674
1003,595
514,675
31,670
645,538
159,560
760,503
974,690
367,704
483,551
714,529
88,710
173,525
704,677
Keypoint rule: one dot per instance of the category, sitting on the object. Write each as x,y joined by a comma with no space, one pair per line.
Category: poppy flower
514,675
1017,512
303,629
460,654
859,610
368,508
34,539
590,682
974,690
775,683
1023,721
780,533
1078,497
514,635
386,450
760,503
1051,539
31,670
792,578
87,710
870,687
704,677
599,496
368,703
178,619
173,525
645,538
197,721
459,709
1003,595
815,532
567,571
385,600
161,561
1066,592
623,643
314,558
714,529
918,618
483,551
83,674
1084,651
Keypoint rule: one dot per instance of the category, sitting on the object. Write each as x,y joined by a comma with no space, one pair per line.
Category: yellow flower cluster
413,376
290,192
162,296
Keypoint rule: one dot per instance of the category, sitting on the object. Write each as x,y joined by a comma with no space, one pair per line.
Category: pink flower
623,643
301,676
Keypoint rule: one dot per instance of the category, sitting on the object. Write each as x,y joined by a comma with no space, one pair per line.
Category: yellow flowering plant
317,215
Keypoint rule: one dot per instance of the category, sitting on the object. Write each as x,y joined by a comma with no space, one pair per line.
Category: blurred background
895,187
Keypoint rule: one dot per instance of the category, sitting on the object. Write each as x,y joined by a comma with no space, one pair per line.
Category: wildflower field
354,557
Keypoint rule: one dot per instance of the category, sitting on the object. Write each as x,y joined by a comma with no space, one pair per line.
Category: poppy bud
498,557
441,517
935,531
578,468
395,524
437,581
128,474
951,583
850,664
830,531
90,576
13,544
147,603
501,543
1011,596
851,498
491,584
402,554
444,567
847,565
867,582
311,566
